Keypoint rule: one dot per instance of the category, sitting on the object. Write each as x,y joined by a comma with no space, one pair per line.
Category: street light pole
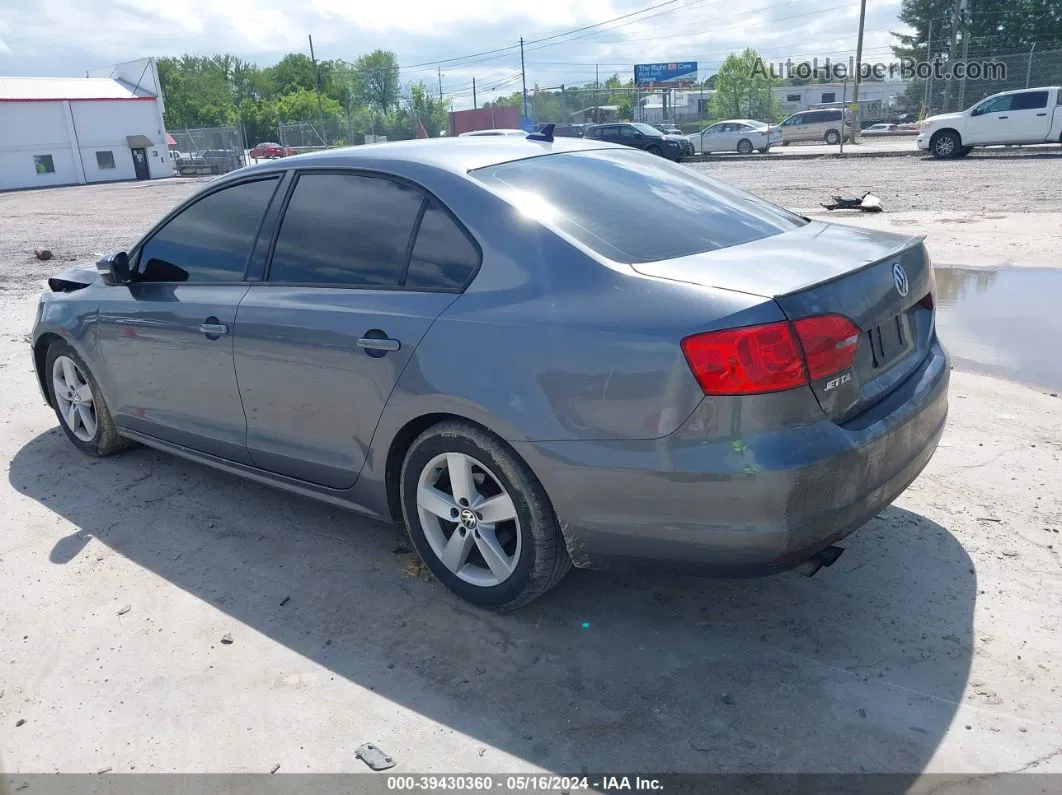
858,68
523,75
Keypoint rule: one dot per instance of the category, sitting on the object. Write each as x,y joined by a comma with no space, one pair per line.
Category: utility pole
965,53
439,70
929,80
855,83
317,77
523,75
951,55
474,105
563,107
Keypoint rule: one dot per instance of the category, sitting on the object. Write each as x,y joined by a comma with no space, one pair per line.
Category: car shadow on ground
858,669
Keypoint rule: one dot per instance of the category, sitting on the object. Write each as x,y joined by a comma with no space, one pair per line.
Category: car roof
458,154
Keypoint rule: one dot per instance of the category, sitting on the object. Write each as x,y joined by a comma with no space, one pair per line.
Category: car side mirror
115,267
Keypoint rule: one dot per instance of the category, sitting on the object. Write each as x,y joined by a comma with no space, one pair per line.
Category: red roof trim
81,99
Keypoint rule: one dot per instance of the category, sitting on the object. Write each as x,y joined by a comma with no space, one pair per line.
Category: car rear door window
632,207
444,257
345,229
1030,100
209,241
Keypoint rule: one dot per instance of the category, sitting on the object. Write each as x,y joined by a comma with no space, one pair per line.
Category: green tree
742,90
425,107
378,75
303,105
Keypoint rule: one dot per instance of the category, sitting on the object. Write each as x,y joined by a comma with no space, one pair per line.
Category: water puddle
1005,322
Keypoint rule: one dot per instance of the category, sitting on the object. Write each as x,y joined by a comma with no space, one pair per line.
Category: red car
269,151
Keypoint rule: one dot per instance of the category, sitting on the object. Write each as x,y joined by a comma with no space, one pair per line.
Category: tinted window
626,132
633,207
646,129
345,229
210,240
1030,100
443,257
792,97
829,96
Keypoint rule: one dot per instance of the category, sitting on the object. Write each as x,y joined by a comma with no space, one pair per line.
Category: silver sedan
744,136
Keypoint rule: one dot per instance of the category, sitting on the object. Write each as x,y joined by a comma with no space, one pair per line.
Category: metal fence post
1028,70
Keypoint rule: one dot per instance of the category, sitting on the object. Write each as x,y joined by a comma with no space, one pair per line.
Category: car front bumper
922,141
706,500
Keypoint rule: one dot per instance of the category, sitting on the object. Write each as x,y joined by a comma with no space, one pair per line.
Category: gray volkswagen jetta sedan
534,353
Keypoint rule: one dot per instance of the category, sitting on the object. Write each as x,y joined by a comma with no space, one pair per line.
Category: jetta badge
899,278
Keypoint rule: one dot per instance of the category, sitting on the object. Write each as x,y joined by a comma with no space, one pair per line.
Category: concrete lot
932,645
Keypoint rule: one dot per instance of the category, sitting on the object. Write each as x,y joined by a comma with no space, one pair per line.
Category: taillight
768,358
927,301
746,361
829,343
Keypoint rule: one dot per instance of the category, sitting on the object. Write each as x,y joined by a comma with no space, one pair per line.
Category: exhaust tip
824,557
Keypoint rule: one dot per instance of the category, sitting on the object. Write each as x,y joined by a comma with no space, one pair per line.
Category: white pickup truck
1030,116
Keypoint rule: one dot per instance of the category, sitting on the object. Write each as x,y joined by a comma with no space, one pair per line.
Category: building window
829,96
105,160
43,164
792,97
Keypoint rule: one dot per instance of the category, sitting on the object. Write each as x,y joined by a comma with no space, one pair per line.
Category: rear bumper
741,506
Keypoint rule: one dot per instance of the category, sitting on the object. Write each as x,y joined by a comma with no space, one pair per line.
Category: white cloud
69,36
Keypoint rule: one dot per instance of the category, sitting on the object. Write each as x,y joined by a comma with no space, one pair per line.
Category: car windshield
632,207
647,129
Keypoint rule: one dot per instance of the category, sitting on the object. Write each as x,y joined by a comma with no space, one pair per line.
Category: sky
67,37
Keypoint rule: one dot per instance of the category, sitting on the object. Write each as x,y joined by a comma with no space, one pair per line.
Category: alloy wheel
74,398
469,519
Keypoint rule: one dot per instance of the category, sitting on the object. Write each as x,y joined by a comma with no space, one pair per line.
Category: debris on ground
226,639
285,600
43,254
19,722
276,767
868,203
124,609
401,549
103,770
415,568
374,757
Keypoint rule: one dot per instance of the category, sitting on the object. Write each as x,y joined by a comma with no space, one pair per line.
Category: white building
796,98
68,130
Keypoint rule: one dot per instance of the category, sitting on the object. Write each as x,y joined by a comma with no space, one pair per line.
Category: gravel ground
998,182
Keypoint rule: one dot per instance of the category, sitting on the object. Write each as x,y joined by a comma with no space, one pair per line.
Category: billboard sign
680,72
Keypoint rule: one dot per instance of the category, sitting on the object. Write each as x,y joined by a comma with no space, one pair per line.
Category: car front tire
744,146
945,145
479,518
78,403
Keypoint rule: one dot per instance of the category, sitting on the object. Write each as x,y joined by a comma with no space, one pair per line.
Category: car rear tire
945,145
833,137
965,151
479,518
745,147
79,405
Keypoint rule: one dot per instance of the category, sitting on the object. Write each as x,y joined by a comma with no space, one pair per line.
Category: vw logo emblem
468,519
899,278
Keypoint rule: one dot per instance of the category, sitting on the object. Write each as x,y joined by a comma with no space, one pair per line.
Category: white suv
1030,116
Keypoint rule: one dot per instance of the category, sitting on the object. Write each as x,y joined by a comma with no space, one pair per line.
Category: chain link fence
208,150
986,72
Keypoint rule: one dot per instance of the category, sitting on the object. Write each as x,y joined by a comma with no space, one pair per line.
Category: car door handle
213,329
1041,114
379,344
1002,117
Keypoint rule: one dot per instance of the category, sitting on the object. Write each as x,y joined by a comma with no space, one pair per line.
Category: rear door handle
214,329
1002,117
379,344
1041,114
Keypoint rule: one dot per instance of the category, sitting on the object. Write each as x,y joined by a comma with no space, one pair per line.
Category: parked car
568,131
668,129
878,129
641,136
816,125
221,161
736,135
1031,116
495,133
270,150
535,355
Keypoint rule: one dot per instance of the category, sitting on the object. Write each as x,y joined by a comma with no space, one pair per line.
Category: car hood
785,263
942,118
74,278
679,138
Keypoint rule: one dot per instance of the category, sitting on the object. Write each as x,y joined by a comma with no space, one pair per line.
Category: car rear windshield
634,207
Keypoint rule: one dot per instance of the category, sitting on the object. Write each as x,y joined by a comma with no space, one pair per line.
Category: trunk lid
877,280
